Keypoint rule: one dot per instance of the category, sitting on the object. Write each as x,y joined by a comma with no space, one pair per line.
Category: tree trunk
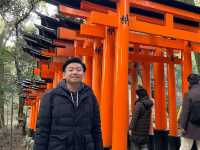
21,103
1,94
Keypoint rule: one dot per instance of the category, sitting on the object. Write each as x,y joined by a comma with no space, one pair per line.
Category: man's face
73,73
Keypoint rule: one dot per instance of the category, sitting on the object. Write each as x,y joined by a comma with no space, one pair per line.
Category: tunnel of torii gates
111,37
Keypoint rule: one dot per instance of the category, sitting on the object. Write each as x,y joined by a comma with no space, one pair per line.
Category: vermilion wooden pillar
106,106
30,122
159,93
36,112
120,101
133,86
88,75
146,77
55,79
186,67
49,86
172,98
97,70
58,74
33,113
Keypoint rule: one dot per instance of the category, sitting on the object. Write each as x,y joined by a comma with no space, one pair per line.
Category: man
140,123
190,114
69,114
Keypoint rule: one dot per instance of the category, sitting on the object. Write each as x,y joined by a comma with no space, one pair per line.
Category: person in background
140,123
190,114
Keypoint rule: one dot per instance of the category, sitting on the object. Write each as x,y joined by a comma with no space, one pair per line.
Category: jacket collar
83,91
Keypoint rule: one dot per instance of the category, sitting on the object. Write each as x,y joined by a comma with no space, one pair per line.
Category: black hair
73,60
141,92
193,79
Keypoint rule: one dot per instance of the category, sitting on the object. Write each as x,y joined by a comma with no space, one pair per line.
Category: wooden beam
146,27
149,5
195,47
152,59
88,51
65,33
106,19
110,19
59,43
48,53
68,11
155,41
88,6
64,52
92,30
97,31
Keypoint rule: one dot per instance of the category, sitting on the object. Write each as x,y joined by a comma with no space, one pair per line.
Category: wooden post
55,79
186,67
34,116
107,87
88,75
133,86
97,70
159,92
30,118
120,101
49,86
146,77
36,112
172,98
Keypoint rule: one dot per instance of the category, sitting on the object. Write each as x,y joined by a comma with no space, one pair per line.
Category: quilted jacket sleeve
43,124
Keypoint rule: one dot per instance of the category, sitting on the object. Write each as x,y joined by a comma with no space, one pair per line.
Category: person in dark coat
140,122
69,117
190,130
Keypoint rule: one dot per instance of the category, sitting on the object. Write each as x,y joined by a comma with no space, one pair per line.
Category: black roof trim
180,5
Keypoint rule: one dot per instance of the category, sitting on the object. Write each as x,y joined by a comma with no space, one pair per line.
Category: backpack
194,116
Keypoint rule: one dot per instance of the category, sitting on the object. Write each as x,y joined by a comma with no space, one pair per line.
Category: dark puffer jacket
64,126
140,122
192,131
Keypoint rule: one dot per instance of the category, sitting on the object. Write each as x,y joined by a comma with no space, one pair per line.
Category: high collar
83,91
63,85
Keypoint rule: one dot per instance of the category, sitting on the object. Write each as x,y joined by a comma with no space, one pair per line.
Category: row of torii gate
110,37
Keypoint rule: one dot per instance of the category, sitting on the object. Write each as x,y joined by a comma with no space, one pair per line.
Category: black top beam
45,42
35,53
47,32
69,3
54,23
178,4
108,3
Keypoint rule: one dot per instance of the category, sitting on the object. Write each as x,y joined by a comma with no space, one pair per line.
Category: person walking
190,114
140,123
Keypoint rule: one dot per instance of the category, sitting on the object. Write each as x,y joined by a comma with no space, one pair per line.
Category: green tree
12,15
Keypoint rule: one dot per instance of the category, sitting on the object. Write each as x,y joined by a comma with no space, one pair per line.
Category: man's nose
74,72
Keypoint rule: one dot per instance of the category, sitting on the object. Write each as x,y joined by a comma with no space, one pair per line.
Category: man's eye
79,69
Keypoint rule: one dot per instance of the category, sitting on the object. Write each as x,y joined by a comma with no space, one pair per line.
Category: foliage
15,64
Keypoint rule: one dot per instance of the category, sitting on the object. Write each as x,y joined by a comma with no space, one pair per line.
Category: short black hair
193,79
73,60
141,92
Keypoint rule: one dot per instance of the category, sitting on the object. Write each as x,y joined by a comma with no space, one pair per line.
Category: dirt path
5,140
